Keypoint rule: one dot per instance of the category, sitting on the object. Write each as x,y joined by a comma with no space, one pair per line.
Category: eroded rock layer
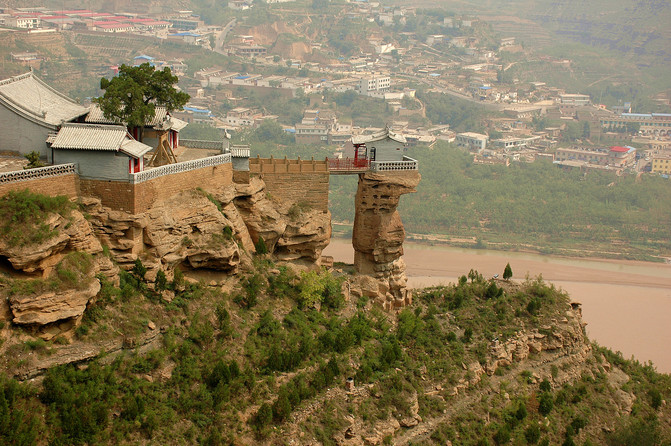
378,233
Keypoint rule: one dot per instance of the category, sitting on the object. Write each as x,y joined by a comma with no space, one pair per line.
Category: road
221,37
454,93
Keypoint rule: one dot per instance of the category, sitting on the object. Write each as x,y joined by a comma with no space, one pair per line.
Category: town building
661,163
28,21
472,141
649,124
615,156
574,99
241,117
373,84
512,143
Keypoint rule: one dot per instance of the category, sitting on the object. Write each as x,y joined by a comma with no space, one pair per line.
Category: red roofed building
622,156
114,27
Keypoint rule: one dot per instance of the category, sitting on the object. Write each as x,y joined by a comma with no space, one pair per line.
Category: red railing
348,164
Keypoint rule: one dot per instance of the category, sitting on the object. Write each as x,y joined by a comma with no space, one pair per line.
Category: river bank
626,304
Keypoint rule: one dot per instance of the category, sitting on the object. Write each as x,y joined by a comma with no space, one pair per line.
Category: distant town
529,121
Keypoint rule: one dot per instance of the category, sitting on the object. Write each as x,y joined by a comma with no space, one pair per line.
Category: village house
661,163
103,152
615,156
161,122
30,111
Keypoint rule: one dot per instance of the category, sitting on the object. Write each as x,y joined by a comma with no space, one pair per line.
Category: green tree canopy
133,95
507,272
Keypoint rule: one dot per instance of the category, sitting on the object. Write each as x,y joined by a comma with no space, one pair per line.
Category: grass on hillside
244,367
23,215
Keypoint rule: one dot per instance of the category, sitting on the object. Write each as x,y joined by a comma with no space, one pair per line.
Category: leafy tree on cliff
133,95
507,272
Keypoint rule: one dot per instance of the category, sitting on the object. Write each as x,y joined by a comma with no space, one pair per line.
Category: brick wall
294,181
137,198
57,185
117,195
208,178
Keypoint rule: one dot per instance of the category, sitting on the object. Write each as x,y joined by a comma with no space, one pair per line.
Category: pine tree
507,272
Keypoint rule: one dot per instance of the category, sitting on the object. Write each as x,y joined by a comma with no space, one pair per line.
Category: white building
24,22
472,141
373,84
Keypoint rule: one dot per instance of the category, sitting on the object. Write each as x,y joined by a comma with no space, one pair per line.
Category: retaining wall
294,181
52,180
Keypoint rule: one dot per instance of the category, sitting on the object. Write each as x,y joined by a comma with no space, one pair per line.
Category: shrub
264,416
228,232
282,284
502,435
224,319
655,398
532,434
139,270
545,403
161,281
507,272
533,306
24,213
33,160
17,427
319,288
260,246
545,386
468,335
251,287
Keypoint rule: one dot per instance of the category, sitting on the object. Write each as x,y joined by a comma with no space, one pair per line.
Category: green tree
33,160
133,95
507,272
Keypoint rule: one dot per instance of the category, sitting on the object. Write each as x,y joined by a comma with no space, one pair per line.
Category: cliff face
378,233
216,231
53,289
195,229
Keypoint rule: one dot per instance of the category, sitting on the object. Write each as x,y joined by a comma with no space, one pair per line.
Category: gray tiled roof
363,139
134,148
96,116
98,137
30,97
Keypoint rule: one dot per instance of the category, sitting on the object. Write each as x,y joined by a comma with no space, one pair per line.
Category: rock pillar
378,233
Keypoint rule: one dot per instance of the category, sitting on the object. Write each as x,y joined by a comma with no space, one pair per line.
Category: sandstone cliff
216,230
378,233
55,279
193,230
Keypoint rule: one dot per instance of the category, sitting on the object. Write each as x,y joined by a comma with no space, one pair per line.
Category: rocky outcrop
305,236
215,231
64,306
52,306
187,229
260,214
71,233
378,233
